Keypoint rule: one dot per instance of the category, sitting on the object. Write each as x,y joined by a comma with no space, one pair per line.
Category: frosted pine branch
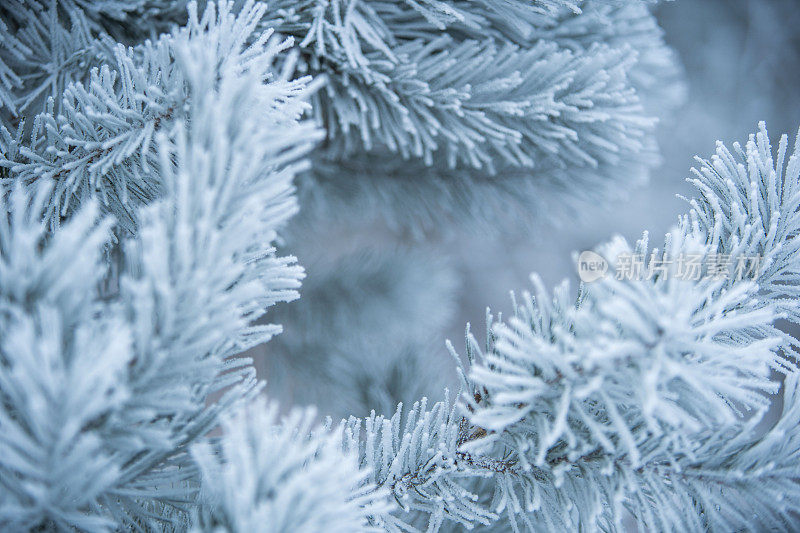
184,304
148,166
646,380
102,142
271,475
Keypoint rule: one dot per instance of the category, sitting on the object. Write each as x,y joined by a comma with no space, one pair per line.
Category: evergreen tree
155,155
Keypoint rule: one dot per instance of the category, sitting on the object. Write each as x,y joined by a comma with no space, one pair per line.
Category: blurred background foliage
742,64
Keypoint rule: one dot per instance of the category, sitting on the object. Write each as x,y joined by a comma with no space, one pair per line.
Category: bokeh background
742,65
352,351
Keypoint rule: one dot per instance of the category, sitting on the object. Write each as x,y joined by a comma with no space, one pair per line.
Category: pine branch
101,143
199,271
641,378
419,461
52,48
283,476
